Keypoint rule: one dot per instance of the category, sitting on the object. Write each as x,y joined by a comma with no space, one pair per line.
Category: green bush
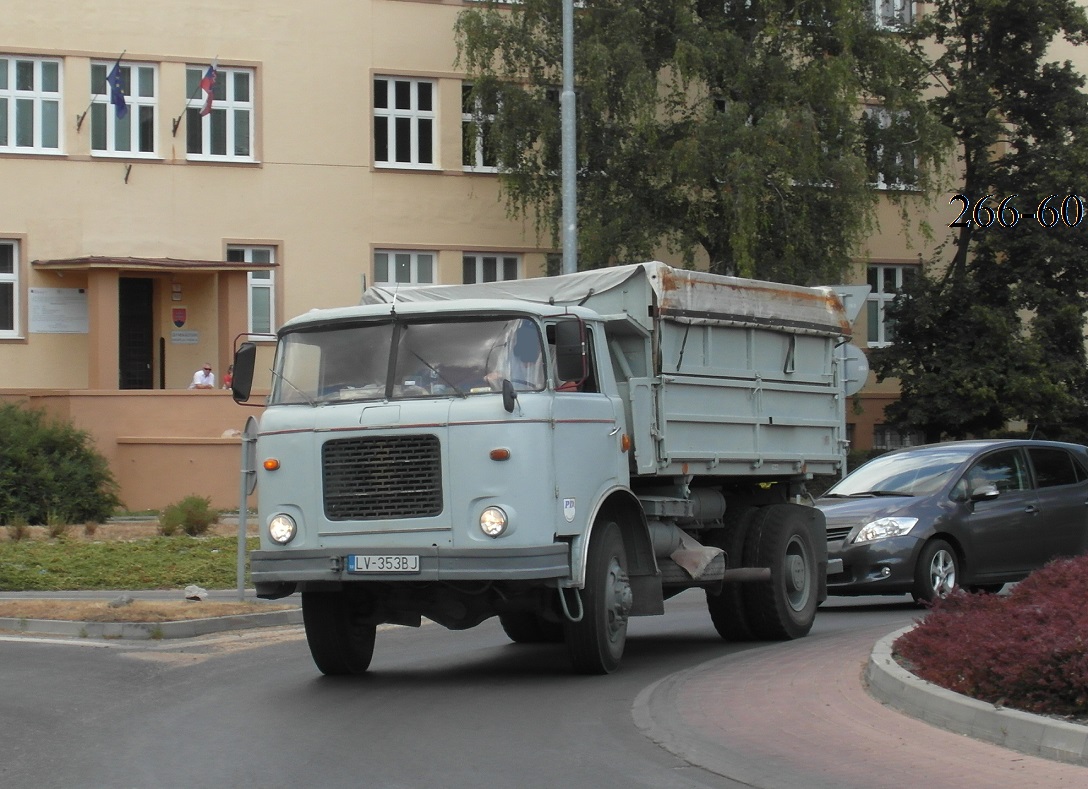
192,515
50,472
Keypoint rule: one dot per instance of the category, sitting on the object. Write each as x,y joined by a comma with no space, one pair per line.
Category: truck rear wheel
596,642
524,627
784,607
726,605
341,641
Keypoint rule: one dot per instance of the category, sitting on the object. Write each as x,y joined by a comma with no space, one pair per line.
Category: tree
995,330
728,128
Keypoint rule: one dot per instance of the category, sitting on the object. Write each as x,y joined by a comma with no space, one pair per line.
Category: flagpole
177,121
82,115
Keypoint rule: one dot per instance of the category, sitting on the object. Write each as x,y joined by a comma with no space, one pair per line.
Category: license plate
382,563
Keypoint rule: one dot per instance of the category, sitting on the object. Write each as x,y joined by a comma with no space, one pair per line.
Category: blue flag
117,96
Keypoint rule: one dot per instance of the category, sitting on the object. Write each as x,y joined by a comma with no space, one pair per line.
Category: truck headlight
882,528
282,529
493,522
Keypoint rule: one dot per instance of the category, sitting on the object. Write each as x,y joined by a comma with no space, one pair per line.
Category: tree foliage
49,471
729,130
994,330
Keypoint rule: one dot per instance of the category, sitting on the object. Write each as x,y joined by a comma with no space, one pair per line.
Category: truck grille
382,477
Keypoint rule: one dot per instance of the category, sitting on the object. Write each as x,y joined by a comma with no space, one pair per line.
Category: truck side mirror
245,358
571,359
508,395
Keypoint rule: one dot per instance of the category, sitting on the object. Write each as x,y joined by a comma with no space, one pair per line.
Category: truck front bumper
435,564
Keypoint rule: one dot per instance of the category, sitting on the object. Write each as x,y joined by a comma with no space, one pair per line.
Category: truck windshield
406,358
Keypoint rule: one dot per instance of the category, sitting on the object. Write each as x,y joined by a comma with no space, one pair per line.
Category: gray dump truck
563,453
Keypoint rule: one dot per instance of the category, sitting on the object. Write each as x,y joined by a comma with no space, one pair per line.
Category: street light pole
566,108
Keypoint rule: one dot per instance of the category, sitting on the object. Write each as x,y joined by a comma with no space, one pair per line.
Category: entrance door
136,335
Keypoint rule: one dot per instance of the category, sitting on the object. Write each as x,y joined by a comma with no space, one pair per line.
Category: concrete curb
187,628
1036,735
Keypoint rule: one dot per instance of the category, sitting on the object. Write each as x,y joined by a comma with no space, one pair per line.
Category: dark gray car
972,514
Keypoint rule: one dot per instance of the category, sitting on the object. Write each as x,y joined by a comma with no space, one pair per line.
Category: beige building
138,242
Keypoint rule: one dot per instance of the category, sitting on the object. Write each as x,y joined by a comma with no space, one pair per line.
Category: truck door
588,430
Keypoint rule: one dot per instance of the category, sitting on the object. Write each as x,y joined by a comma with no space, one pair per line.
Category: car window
1053,467
1005,470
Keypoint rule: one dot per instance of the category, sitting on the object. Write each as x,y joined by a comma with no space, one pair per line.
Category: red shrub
1028,650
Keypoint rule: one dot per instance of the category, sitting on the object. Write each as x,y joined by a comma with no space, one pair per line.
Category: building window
885,282
889,148
225,133
404,268
477,118
404,121
489,268
894,14
261,287
9,289
133,134
29,105
885,437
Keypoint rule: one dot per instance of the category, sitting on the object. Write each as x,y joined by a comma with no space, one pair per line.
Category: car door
1062,483
998,532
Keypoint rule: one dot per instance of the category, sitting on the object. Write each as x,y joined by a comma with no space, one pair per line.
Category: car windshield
398,358
902,474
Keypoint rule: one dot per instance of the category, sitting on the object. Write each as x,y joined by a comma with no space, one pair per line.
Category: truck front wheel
341,640
596,641
784,607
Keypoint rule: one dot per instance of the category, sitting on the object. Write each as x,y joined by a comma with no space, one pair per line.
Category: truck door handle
614,430
1031,509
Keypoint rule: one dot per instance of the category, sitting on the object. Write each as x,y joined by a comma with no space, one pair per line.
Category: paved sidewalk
188,628
812,714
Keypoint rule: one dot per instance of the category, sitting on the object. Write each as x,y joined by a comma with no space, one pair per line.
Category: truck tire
341,641
596,641
523,627
726,605
784,607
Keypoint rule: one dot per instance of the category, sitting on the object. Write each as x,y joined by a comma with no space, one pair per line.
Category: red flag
207,84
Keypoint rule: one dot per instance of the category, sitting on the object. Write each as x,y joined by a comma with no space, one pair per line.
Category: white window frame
475,120
260,283
884,120
237,115
416,118
12,278
410,261
880,334
479,262
136,101
16,101
886,437
893,14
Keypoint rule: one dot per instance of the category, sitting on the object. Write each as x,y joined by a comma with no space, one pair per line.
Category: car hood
854,510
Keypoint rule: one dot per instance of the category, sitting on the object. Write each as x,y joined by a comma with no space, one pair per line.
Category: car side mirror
985,492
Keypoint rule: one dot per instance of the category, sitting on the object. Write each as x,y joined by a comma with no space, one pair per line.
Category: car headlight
493,522
883,528
282,529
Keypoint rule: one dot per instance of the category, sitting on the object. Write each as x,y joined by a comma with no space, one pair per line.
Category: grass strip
153,563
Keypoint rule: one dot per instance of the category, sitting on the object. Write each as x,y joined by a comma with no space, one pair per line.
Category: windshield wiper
305,396
436,371
874,494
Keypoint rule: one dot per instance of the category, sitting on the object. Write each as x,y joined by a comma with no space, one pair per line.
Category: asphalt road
438,709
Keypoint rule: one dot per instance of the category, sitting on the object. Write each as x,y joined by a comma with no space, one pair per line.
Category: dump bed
720,376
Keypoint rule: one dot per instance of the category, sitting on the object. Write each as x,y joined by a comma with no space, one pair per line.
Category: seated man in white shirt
203,378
